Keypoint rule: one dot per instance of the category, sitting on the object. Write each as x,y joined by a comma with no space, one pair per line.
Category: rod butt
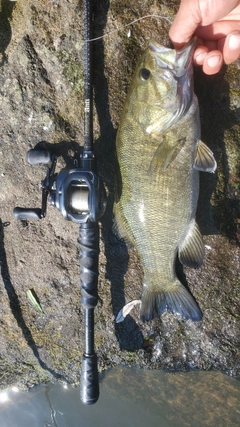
89,385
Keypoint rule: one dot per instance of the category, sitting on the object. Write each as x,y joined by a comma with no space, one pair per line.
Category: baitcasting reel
77,193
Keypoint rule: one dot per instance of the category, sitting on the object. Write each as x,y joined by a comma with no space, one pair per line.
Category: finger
220,44
231,48
184,24
213,62
218,29
211,45
199,55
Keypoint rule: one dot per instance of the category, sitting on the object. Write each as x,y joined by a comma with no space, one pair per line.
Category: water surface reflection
129,398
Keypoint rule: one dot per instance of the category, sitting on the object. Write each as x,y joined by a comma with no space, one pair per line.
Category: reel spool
79,200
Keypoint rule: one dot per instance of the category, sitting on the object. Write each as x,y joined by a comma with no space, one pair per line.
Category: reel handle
27,213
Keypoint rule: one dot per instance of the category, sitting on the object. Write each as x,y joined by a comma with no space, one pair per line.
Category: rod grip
89,385
89,251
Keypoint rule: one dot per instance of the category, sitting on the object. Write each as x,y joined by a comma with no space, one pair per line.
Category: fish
159,155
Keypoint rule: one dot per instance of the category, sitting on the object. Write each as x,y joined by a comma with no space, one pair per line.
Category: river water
129,398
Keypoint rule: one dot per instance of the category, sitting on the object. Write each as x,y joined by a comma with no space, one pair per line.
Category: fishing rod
79,195
89,233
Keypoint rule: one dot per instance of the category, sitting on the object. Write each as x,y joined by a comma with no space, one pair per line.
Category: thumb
184,25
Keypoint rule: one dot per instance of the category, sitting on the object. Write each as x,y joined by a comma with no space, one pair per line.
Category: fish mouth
179,61
184,57
165,56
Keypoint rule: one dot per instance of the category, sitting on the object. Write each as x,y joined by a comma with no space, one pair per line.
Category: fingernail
214,61
234,41
200,57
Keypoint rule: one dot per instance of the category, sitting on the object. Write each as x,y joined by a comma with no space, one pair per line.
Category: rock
41,47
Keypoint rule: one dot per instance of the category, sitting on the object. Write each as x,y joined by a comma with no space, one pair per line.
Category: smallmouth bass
160,153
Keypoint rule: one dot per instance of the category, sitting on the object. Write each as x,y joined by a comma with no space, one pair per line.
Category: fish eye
144,74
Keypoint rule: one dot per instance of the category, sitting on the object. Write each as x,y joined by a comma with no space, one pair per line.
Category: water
129,398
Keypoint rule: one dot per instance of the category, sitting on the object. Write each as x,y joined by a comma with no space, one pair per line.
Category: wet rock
41,75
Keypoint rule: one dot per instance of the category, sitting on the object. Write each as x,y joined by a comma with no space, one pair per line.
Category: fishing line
170,21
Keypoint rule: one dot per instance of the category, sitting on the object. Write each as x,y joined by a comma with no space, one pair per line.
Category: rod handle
89,385
27,213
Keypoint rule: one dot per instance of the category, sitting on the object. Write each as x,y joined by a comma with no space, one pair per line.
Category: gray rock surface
41,92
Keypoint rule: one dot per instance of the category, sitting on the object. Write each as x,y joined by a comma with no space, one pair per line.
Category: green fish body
160,153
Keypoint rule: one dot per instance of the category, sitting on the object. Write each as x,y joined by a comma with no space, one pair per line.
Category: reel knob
27,213
36,157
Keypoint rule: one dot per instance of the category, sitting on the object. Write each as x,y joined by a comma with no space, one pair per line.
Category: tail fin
177,300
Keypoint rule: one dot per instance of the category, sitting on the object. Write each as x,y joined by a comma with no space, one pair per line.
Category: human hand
216,23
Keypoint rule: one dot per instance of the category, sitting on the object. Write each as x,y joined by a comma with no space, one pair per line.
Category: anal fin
191,250
204,160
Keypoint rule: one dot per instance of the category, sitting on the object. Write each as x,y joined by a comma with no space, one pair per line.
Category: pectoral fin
192,251
204,159
165,155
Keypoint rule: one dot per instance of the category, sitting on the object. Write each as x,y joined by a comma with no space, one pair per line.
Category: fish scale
160,154
161,227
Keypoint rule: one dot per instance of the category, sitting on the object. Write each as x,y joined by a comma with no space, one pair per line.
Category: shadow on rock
5,27
216,117
128,333
16,307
